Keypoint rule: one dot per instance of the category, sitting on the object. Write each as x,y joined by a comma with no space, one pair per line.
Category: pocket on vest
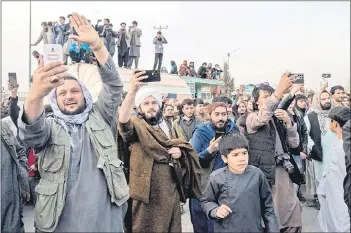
119,182
45,207
53,158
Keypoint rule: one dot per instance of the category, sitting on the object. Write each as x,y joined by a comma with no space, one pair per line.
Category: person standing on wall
159,40
134,52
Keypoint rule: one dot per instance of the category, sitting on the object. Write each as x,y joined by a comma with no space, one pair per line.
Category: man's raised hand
46,78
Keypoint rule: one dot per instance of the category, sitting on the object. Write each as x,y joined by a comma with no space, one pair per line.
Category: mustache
220,122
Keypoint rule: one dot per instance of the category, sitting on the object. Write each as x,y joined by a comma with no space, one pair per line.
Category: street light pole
231,53
235,50
30,42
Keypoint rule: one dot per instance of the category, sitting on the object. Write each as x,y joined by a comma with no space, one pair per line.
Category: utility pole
229,59
30,43
159,28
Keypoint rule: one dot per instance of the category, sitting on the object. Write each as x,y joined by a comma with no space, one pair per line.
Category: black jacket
14,110
262,150
301,125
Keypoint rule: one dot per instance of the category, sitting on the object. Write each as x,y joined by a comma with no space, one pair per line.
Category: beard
79,110
326,106
224,123
154,120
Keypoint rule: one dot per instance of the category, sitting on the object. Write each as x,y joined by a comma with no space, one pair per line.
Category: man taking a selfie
78,162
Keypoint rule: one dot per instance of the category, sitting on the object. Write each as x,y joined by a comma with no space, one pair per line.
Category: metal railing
22,95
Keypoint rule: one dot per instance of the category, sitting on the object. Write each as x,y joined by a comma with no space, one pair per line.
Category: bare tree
228,87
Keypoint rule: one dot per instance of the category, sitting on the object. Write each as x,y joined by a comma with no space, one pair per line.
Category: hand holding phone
153,76
53,53
13,80
300,79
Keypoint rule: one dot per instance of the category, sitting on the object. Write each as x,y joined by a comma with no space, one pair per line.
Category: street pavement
309,217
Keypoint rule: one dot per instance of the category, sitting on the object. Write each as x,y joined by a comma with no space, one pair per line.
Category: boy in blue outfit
238,195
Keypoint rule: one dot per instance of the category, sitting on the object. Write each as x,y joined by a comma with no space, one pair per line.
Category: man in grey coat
159,40
43,35
134,52
14,183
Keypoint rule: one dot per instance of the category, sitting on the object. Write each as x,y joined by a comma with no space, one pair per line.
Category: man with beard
81,174
320,140
158,162
199,108
337,93
168,114
205,141
229,104
185,125
271,134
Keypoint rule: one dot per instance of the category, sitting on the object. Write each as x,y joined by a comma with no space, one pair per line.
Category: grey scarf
72,120
321,113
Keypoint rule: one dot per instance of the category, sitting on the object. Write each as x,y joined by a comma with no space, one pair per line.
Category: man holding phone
159,41
76,148
159,156
134,52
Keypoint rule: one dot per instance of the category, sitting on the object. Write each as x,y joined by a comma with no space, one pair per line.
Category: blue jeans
298,162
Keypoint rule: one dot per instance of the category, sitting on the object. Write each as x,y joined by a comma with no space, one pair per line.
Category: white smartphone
53,53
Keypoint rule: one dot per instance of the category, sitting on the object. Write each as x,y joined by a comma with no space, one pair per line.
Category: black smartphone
218,134
13,80
152,76
300,79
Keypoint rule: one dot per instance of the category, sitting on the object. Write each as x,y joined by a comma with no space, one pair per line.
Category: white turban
143,93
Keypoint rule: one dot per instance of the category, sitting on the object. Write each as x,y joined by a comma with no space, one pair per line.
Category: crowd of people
205,71
127,163
127,42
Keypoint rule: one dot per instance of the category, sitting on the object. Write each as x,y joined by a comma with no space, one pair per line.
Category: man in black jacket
271,133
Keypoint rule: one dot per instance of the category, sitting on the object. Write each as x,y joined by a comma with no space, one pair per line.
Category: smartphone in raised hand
300,78
13,80
53,53
152,76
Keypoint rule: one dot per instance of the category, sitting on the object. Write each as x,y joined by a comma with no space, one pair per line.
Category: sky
269,37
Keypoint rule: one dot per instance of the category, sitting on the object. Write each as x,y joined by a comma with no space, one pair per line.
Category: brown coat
156,187
150,144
